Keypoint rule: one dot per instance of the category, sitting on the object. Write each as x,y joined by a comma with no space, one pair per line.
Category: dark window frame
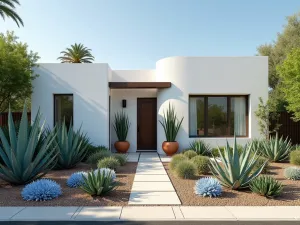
228,115
54,108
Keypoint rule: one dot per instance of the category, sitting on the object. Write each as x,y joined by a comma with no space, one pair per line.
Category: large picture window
218,116
63,108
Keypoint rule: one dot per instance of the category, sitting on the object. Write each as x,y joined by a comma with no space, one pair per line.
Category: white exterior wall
210,76
133,76
131,96
89,85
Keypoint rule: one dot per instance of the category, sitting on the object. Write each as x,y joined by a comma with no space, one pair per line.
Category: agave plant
266,186
236,171
72,146
276,149
98,183
200,147
121,125
26,155
171,124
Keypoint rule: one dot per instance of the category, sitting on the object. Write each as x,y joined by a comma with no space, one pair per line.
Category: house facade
216,96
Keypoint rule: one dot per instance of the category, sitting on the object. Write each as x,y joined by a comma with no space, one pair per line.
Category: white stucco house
217,96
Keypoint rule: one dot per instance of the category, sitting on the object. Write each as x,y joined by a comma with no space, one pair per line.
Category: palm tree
7,9
76,54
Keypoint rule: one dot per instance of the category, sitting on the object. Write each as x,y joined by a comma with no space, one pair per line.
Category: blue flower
208,187
76,179
41,190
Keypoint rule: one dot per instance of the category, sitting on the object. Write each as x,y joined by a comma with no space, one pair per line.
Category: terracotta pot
170,148
122,146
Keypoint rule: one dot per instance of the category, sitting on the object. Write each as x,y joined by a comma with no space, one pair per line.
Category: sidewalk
152,213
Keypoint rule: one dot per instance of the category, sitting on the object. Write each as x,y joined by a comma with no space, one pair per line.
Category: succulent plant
190,154
98,183
185,169
76,179
266,186
110,162
107,172
97,156
276,149
202,164
292,173
71,145
208,186
41,190
177,159
91,149
27,154
236,171
122,158
200,147
121,125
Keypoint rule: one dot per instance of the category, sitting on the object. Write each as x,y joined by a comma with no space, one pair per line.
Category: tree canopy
16,71
7,9
76,54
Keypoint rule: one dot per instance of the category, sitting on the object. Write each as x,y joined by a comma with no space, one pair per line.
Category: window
218,116
63,108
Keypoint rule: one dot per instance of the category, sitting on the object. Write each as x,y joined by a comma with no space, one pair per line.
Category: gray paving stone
107,213
7,212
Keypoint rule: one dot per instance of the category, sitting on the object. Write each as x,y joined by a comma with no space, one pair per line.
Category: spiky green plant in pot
121,126
236,171
71,145
27,154
276,149
171,125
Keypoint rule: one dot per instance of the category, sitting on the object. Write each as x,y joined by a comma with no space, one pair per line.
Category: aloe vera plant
171,123
236,171
276,149
71,145
121,125
26,155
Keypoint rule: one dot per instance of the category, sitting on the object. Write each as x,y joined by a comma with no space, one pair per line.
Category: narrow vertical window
63,108
238,116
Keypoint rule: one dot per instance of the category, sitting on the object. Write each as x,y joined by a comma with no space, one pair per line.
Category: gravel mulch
289,197
11,195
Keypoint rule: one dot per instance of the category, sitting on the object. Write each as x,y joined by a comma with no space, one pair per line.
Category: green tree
16,71
76,54
289,72
7,9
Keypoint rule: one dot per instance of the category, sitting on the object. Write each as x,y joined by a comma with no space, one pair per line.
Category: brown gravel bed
290,195
11,195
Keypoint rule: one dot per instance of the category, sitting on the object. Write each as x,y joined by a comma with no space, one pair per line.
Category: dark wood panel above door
146,124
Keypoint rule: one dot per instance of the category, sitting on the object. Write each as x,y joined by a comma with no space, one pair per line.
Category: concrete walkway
151,185
151,213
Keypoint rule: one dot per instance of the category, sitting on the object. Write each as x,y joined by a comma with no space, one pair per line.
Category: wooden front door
146,124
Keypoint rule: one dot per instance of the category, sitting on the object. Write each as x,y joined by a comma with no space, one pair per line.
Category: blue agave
76,179
208,187
41,190
107,171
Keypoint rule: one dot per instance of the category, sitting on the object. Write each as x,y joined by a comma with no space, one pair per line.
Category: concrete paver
206,213
99,213
153,198
7,212
152,213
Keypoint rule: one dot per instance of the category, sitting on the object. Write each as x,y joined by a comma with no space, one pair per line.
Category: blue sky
134,34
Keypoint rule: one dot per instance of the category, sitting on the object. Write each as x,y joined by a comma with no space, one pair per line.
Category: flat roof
128,85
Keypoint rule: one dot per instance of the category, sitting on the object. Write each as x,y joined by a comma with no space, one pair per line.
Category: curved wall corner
209,76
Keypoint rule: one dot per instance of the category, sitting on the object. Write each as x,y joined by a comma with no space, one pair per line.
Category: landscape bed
10,195
289,197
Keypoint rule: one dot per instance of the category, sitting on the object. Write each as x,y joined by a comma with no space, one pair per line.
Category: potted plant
171,126
121,126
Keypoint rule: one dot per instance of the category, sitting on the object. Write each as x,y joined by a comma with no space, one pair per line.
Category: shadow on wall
87,112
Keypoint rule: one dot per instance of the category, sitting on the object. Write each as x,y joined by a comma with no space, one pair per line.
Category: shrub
237,171
76,179
107,172
215,151
262,161
91,149
292,173
71,145
266,186
41,190
200,147
98,183
122,158
208,187
295,157
185,169
94,158
177,159
276,149
190,154
202,164
26,154
110,162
